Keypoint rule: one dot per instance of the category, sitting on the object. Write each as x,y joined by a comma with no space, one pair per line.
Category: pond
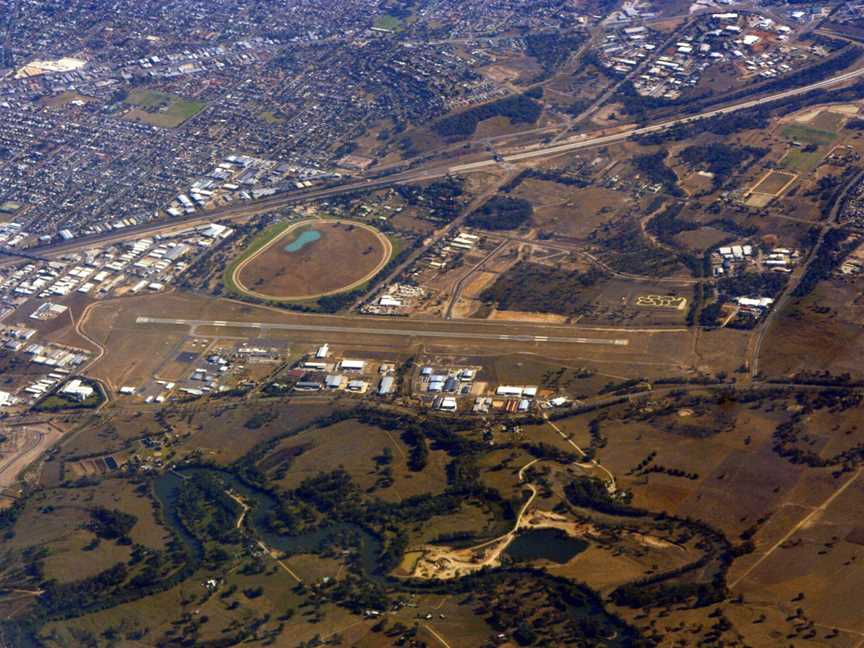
305,238
545,544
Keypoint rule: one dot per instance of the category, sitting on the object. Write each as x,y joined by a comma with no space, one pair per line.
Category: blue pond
305,238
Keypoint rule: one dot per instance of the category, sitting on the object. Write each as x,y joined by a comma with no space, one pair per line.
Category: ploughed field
313,259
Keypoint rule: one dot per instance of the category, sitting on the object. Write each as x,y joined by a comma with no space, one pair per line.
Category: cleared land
312,259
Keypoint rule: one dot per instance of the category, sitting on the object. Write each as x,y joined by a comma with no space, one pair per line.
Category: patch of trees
558,610
672,472
653,166
501,213
733,227
710,314
668,588
630,386
792,441
591,493
639,105
444,433
328,491
419,455
519,109
82,594
439,199
629,251
356,594
755,118
830,44
260,419
722,125
109,524
721,159
534,287
827,258
638,595
535,92
543,450
206,510
551,49
666,226
753,284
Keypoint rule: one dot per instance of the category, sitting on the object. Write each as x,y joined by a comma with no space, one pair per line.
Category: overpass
22,254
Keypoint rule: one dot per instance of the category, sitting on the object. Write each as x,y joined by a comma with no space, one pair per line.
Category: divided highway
240,211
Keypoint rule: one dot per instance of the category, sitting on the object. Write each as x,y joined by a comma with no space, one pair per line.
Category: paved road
271,203
460,285
421,331
832,222
586,141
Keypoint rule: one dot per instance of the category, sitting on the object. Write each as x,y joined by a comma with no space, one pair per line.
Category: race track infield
311,259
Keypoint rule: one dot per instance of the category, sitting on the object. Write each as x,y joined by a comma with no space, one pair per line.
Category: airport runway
420,333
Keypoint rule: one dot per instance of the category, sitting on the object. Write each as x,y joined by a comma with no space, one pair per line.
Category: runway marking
322,328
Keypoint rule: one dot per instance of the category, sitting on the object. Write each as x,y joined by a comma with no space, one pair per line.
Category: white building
77,390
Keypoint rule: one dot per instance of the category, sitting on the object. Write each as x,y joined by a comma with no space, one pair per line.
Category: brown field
347,255
356,446
803,338
808,539
828,120
570,211
223,433
55,520
702,238
773,183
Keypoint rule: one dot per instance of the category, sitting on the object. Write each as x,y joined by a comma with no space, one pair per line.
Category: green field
386,21
798,160
271,117
161,109
807,135
260,240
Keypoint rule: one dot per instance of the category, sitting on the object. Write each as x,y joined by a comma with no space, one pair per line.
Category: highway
584,141
420,332
247,209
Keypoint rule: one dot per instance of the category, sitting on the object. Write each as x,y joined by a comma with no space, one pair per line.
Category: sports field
312,259
161,109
